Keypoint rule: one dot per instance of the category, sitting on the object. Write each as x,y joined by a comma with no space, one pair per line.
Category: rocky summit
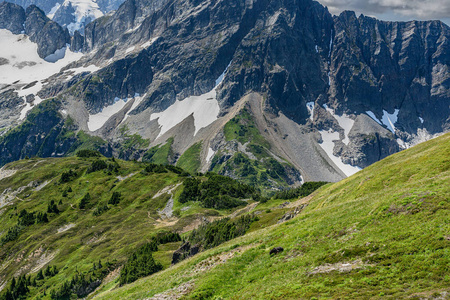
270,92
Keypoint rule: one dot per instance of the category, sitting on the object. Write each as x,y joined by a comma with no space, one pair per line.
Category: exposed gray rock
47,34
65,15
76,42
12,17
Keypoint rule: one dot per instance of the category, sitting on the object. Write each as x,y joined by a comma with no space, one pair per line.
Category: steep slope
328,95
382,233
73,212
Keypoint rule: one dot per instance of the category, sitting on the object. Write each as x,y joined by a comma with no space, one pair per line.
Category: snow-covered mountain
275,92
73,14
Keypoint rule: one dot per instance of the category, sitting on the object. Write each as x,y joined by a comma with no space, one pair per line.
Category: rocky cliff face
48,35
244,87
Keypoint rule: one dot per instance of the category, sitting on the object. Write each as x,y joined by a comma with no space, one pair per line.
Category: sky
394,10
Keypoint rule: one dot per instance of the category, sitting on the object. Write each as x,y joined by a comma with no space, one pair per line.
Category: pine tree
115,198
48,272
54,271
39,275
84,201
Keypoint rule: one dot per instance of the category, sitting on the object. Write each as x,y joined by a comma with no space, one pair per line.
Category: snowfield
389,120
372,115
204,108
85,12
210,154
328,145
345,122
21,65
98,120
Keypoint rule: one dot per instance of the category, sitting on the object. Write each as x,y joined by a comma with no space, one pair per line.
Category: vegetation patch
140,264
304,190
159,154
190,160
216,192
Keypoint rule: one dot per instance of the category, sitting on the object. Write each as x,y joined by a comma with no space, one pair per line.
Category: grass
112,236
255,165
190,160
390,221
160,154
243,129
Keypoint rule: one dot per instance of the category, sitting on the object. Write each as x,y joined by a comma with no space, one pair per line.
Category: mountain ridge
328,81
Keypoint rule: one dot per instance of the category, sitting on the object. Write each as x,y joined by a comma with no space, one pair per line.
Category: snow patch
421,120
222,76
85,12
137,100
331,43
372,115
25,69
317,49
129,50
210,154
97,121
328,138
310,107
59,54
345,122
204,108
24,64
28,107
52,12
389,120
148,43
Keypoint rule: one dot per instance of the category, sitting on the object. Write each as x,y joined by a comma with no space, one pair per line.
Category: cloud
394,9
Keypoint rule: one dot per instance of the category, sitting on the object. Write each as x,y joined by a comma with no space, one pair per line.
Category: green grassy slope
74,239
382,233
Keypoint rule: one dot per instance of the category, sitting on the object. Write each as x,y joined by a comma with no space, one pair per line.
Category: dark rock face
47,34
286,65
45,5
77,42
64,15
379,65
12,17
122,79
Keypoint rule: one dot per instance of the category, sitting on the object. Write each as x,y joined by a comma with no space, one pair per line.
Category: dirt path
4,173
244,210
120,178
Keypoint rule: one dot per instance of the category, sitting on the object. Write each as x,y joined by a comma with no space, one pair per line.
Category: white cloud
394,9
